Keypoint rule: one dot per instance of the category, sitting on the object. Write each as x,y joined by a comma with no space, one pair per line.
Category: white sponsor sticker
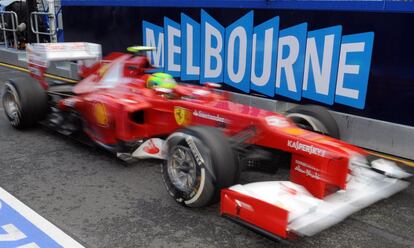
308,172
208,116
306,165
306,148
194,150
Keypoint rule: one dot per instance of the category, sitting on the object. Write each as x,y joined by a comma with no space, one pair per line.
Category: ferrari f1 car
205,140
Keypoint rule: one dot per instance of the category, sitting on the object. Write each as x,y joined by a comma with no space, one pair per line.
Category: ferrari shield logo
100,114
182,116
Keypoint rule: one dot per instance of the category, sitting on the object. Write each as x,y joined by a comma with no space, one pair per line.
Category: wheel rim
182,169
11,104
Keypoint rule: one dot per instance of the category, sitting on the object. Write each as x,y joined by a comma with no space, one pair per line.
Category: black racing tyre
200,162
320,119
24,103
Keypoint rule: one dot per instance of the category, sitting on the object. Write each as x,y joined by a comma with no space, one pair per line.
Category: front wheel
314,118
200,162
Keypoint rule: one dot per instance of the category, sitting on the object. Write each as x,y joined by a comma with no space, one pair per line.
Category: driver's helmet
161,80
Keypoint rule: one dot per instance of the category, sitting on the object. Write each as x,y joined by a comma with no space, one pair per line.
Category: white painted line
41,223
12,233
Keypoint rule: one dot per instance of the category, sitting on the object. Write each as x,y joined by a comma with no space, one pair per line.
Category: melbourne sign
322,65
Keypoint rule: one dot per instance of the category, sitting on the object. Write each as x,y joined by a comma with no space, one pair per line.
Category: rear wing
43,53
39,55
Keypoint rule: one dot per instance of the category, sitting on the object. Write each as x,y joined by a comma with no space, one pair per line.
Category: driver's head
161,80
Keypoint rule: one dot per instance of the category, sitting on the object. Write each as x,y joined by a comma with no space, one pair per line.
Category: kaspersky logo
321,65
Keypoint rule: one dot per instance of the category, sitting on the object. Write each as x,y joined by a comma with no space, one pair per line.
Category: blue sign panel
321,64
190,39
212,49
172,53
153,36
354,67
264,54
238,53
290,61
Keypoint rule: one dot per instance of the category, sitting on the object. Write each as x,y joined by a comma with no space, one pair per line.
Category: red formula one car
205,140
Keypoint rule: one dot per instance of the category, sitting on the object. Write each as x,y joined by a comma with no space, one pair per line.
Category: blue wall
346,5
388,80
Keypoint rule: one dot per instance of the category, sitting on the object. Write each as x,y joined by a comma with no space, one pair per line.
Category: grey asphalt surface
101,202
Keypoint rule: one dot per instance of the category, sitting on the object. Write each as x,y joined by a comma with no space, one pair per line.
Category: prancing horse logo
182,116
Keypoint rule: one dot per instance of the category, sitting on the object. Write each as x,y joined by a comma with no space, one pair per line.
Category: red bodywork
269,217
124,109
116,106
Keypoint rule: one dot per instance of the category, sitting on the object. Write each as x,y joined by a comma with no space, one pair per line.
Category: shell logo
294,131
100,114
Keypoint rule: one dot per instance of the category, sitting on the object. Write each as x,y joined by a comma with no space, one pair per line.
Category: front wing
283,209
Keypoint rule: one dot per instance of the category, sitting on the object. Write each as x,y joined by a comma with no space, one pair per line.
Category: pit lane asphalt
102,203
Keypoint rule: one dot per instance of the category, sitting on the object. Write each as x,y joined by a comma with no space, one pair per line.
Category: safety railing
34,25
4,26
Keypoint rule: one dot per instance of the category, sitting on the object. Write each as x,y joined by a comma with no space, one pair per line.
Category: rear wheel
200,162
24,103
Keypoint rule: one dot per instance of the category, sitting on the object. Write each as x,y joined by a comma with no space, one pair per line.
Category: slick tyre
24,103
314,118
200,162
